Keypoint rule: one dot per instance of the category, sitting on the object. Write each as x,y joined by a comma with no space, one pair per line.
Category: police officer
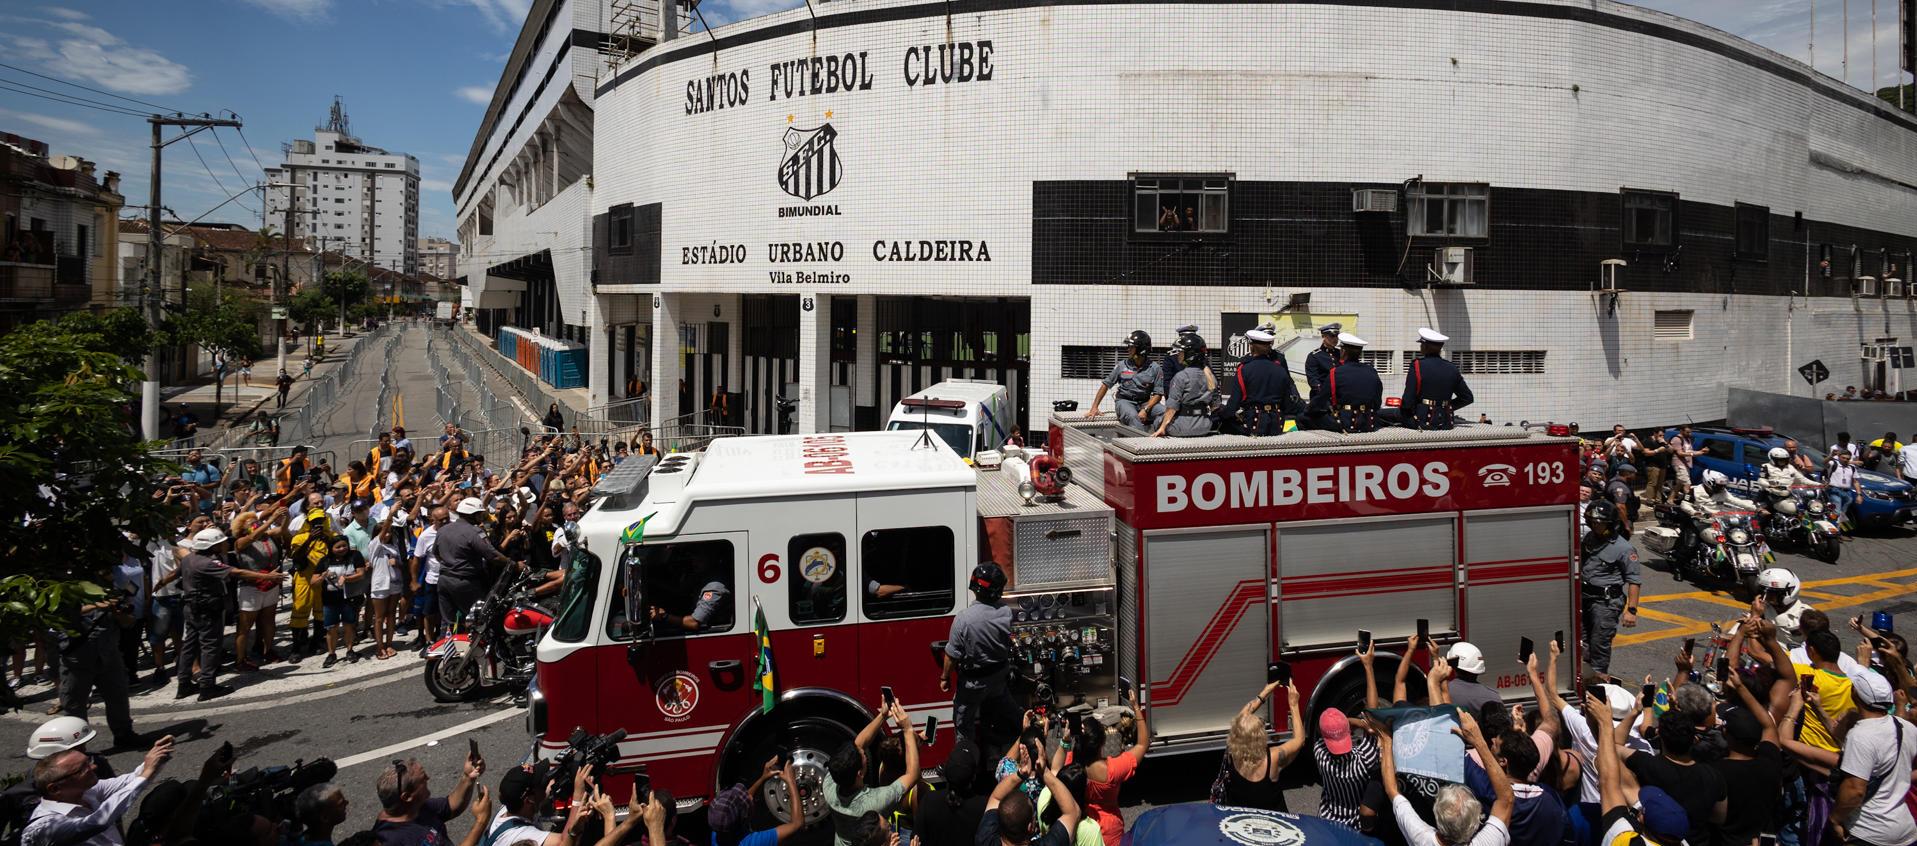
1140,383
1434,389
1353,389
1318,365
1266,395
979,652
1619,492
1189,395
1608,582
711,598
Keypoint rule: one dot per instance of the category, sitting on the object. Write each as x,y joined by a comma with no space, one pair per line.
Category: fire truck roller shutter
1518,584
1381,574
1206,599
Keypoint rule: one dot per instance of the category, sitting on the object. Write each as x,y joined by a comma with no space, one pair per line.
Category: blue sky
415,76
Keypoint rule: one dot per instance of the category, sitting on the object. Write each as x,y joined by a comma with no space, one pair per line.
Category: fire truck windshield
956,435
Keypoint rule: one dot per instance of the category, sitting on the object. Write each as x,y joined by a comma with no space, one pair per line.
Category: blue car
1738,453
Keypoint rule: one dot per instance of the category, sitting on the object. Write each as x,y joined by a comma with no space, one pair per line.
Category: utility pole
286,263
150,389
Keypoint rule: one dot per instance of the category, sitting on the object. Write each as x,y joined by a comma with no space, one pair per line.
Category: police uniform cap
1258,336
1430,336
1626,468
1188,329
1349,340
1331,329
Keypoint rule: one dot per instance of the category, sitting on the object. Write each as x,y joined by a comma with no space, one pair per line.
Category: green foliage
311,306
347,286
73,471
227,325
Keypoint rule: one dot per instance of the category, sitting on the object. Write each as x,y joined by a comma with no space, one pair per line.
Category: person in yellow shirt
1881,450
1832,686
309,547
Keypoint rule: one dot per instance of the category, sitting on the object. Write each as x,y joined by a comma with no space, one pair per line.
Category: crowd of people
397,543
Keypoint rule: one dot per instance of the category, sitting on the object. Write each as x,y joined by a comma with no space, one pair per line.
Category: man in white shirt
425,574
1456,811
77,808
1876,765
1907,460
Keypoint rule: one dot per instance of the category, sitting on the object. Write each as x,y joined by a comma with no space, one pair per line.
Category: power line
85,88
62,99
229,156
249,147
209,171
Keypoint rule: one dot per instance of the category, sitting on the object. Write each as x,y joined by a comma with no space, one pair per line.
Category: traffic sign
1815,371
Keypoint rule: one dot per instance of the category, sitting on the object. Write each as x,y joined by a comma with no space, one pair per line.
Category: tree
227,326
307,308
348,287
74,473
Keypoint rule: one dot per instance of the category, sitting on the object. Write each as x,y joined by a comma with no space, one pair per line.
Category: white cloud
50,122
299,10
69,14
91,54
475,94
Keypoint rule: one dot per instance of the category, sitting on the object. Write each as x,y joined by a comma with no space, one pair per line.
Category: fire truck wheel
808,736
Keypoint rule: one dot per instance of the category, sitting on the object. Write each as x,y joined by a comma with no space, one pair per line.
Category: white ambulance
969,415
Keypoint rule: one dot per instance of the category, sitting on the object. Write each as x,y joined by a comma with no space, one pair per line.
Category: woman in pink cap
1346,763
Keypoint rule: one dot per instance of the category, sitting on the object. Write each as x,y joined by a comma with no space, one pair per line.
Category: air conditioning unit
1374,200
1452,265
1863,286
1894,289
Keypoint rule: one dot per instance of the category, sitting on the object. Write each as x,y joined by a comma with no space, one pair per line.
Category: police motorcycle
495,649
1724,544
1801,517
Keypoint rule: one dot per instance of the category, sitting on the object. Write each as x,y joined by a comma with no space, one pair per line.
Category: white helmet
1780,454
1779,586
1469,658
208,538
470,506
1713,478
58,735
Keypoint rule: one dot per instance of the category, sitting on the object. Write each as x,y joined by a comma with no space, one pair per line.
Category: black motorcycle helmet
1189,345
1139,340
988,581
1602,512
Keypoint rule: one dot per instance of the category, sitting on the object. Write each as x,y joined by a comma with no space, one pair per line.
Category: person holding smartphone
1248,777
730,814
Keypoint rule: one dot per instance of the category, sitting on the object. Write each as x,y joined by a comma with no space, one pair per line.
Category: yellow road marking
1685,627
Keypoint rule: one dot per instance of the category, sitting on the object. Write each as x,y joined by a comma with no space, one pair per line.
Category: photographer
409,816
76,807
1011,819
318,810
730,815
521,792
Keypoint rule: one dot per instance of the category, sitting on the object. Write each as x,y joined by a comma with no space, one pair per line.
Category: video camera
594,752
268,792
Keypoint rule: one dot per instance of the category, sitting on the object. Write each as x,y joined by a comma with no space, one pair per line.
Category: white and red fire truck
1186,564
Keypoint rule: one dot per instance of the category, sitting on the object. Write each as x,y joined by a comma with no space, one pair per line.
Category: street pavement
364,715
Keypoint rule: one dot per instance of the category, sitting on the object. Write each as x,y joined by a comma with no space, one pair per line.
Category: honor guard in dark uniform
1189,395
1608,582
1266,395
1140,383
1354,389
979,652
1318,365
1434,388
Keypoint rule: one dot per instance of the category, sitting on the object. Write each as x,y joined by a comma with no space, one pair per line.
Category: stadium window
1165,203
1650,220
1753,232
619,229
1449,209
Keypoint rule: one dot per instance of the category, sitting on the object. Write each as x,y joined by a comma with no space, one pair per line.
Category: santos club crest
811,165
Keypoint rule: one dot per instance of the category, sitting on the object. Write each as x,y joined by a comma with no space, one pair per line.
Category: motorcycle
495,650
1803,518
1728,547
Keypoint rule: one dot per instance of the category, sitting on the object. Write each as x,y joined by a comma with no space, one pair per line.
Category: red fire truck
1186,564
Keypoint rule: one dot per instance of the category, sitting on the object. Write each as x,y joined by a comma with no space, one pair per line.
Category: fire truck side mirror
638,611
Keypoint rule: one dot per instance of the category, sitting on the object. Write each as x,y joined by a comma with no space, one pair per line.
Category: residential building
58,252
1616,214
352,197
439,257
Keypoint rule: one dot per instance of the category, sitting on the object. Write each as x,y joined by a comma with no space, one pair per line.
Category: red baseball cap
1335,730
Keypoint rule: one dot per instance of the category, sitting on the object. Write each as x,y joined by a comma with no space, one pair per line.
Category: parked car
1738,453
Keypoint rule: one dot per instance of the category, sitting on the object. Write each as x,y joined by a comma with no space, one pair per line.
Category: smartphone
1723,667
472,749
1424,630
1525,648
1453,661
1364,641
1124,689
1807,682
932,730
642,786
1690,645
1279,672
885,693
1650,694
904,833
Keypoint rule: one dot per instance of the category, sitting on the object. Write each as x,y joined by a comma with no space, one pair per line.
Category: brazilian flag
637,531
766,682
